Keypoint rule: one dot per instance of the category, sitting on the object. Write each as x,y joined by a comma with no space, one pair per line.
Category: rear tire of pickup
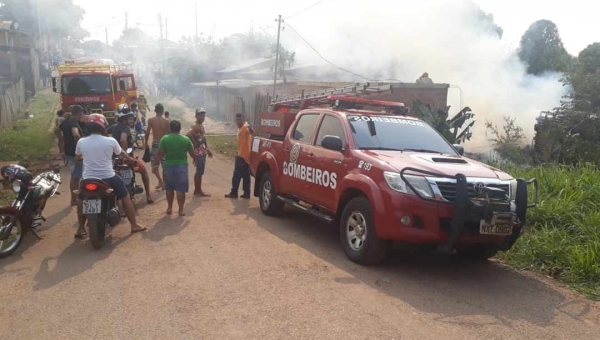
358,236
477,253
269,204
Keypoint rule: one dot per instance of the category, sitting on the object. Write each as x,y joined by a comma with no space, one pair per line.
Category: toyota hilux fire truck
382,176
99,87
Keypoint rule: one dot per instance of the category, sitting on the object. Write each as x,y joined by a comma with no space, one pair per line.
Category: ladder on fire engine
357,88
346,97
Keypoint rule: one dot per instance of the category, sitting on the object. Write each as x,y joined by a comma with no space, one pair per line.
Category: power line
327,61
304,10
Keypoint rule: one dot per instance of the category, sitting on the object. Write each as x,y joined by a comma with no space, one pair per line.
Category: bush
562,238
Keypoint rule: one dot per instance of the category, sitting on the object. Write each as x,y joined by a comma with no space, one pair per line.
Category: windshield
393,133
81,85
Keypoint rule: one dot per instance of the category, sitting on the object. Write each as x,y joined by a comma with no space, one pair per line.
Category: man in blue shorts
175,148
97,151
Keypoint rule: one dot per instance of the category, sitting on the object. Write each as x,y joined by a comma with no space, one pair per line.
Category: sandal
81,235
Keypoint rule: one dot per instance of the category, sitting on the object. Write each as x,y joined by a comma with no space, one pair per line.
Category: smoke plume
401,39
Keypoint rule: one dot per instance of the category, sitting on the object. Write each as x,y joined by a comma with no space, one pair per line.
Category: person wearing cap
97,151
201,150
158,127
121,132
175,147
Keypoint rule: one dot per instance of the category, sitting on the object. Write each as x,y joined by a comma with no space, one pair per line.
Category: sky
576,19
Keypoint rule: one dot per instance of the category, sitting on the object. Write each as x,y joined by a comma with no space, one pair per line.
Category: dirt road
225,271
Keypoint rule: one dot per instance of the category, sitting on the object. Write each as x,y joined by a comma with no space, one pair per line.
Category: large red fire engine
99,87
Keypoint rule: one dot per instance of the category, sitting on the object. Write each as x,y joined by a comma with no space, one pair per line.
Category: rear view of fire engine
100,88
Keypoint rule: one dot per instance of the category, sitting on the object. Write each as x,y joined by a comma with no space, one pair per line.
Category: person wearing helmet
97,151
121,132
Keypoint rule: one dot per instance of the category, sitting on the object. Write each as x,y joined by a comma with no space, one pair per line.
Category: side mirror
122,85
332,143
459,148
54,84
129,151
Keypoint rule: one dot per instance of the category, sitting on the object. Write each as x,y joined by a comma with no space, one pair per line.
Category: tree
286,59
542,50
449,128
58,19
484,21
508,141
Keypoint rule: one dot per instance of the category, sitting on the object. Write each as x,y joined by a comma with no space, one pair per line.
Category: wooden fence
11,100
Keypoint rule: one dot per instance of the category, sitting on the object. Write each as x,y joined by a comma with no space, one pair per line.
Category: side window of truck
305,127
331,126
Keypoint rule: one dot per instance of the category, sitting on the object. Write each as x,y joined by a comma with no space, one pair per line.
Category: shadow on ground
447,286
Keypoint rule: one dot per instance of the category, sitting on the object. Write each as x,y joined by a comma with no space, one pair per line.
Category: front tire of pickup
358,236
269,204
477,253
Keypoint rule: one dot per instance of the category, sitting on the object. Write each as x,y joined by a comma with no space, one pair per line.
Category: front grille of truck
448,190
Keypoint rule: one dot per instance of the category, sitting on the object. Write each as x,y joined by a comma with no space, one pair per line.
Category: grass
562,239
225,145
29,139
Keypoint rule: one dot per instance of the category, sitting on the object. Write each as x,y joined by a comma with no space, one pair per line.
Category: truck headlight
420,184
513,189
16,186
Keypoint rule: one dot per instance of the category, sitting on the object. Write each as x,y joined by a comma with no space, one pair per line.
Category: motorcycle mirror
130,150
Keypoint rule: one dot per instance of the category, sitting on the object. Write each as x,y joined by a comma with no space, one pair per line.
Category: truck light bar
364,101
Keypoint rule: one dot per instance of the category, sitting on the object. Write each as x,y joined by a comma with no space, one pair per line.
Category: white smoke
403,38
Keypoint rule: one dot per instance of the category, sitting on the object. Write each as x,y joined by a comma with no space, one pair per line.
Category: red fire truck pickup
383,176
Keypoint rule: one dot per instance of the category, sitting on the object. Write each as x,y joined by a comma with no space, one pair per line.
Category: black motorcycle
25,212
99,205
127,170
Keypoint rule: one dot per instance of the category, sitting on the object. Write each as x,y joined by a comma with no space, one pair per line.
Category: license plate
92,206
494,229
126,174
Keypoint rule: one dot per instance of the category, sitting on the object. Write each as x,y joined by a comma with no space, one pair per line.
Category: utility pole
160,23
106,34
126,21
276,54
196,13
167,28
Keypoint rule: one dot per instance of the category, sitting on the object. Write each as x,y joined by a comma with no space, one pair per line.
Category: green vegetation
225,145
562,239
29,139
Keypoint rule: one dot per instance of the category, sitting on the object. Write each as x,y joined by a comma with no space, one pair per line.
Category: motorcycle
140,139
126,170
25,212
99,205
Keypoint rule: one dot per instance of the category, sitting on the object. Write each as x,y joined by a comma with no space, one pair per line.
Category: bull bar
464,206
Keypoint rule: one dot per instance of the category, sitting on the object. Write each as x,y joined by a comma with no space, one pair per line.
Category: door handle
311,156
286,149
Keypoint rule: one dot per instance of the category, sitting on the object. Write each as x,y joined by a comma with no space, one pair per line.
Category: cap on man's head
159,108
200,111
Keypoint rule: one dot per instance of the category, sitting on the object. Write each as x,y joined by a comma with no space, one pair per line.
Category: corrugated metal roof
247,64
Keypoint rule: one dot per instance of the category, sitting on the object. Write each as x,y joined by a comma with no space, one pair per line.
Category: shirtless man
201,150
159,127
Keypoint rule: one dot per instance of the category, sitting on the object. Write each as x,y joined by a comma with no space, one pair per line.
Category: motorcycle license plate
92,207
126,174
487,228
